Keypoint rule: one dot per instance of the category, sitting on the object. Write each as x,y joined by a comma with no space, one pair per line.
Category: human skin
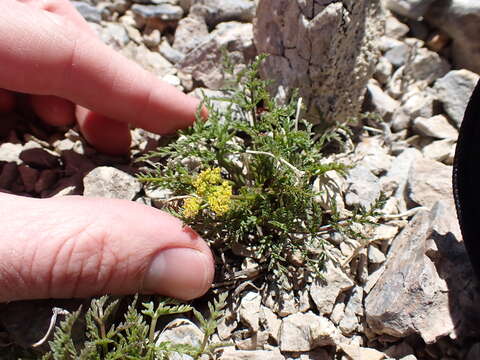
74,246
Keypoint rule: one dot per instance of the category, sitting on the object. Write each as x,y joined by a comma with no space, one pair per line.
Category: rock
152,38
412,9
190,33
322,52
29,177
381,102
410,297
304,332
375,256
39,158
324,294
437,127
232,354
270,322
427,66
354,307
202,63
8,175
418,104
373,155
400,350
383,71
169,53
11,152
425,189
114,35
394,28
249,311
164,12
109,182
441,151
218,11
454,91
400,168
46,180
89,12
461,20
474,352
363,187
356,352
149,60
398,54
181,331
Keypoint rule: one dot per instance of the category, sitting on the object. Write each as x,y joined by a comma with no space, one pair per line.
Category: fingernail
180,272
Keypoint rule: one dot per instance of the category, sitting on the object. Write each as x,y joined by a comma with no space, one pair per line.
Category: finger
85,71
7,101
62,8
106,135
53,110
81,247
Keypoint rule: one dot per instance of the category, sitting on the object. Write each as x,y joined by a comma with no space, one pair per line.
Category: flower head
191,207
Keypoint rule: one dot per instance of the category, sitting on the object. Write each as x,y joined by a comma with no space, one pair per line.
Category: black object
466,179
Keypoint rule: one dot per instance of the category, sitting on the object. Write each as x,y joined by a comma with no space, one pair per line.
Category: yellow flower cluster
191,207
220,198
209,186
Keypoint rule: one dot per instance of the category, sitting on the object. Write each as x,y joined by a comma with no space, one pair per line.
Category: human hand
75,246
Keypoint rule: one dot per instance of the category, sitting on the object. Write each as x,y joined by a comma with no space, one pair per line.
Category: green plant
135,338
245,176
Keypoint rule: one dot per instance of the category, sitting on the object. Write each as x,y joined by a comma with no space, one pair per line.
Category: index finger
44,54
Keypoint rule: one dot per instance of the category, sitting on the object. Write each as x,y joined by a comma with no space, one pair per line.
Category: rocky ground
406,293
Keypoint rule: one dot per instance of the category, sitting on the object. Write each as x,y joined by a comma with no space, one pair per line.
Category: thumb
80,247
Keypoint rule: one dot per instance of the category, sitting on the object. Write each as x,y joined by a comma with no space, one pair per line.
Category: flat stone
305,332
383,70
437,127
39,158
169,53
428,66
109,182
232,354
425,189
218,11
363,187
324,294
440,150
249,311
165,12
398,55
381,101
356,352
190,33
46,180
454,91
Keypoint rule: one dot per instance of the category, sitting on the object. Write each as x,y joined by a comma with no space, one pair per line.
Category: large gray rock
328,52
454,91
461,20
363,188
410,297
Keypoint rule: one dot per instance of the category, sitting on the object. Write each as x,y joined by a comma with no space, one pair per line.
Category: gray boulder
316,48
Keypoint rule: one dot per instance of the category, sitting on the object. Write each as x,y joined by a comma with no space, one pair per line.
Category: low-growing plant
136,337
245,176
